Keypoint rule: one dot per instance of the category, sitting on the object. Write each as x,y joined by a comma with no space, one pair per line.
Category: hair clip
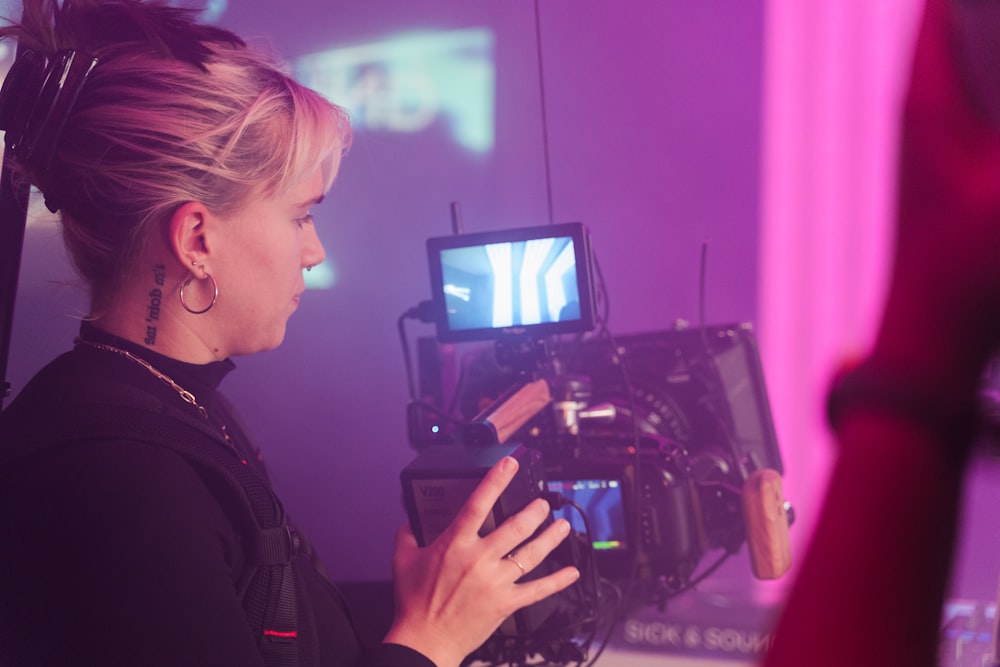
36,101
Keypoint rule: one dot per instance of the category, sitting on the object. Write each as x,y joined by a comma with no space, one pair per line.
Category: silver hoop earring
310,267
215,295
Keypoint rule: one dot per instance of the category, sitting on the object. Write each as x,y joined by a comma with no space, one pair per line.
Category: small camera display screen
530,280
510,284
601,499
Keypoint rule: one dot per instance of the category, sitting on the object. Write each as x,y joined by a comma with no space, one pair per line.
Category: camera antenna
703,269
545,123
456,219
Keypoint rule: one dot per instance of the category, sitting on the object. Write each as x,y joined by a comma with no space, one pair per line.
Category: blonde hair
155,126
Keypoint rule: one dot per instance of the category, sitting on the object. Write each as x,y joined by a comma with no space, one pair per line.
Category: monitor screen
528,281
601,500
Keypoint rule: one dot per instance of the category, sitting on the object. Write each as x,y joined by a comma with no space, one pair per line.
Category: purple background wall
653,118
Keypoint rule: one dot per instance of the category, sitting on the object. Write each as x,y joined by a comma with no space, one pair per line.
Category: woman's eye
305,220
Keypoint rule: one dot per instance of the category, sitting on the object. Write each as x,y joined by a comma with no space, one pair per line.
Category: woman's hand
453,594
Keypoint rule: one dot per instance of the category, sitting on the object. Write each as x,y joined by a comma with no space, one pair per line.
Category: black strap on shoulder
267,587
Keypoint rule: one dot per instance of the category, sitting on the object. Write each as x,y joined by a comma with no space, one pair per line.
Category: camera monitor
532,281
601,500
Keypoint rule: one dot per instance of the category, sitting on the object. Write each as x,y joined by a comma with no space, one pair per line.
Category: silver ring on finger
513,560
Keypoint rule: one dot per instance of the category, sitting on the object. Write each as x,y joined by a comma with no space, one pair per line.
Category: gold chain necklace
185,395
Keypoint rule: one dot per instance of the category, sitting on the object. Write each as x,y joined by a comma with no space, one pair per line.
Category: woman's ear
186,234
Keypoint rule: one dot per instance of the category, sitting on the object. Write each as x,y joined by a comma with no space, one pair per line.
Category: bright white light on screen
535,252
503,284
554,286
412,82
463,293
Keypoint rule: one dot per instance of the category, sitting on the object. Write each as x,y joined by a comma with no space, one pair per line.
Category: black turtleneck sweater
118,552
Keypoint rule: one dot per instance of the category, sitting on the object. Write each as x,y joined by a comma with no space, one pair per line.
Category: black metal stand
13,221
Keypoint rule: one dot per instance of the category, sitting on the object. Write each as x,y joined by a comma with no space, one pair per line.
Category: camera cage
677,419
652,439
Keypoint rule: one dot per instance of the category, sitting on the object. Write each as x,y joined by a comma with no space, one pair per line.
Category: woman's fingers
477,508
531,591
516,532
528,554
452,594
519,528
528,585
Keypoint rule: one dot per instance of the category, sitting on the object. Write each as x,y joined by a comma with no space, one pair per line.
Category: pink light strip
833,77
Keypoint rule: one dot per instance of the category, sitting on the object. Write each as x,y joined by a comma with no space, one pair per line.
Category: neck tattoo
185,395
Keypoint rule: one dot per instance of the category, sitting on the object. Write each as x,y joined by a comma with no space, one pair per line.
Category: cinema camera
657,447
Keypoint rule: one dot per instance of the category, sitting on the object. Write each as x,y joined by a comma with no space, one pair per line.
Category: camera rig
657,447
655,434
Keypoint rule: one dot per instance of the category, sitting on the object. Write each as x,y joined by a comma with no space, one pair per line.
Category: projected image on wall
413,83
207,11
409,83
511,284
